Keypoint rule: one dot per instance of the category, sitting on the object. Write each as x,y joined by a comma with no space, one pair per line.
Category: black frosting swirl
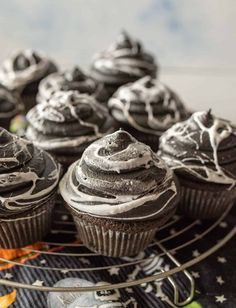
28,176
23,68
119,178
9,104
125,61
204,146
147,105
68,122
74,79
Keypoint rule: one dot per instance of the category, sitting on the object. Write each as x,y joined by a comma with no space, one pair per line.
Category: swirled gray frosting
147,105
23,68
125,61
74,79
68,122
28,175
119,178
204,146
9,104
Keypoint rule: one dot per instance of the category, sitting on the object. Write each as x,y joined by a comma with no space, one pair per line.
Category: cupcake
125,61
74,79
22,73
29,179
10,106
202,153
67,123
146,108
119,194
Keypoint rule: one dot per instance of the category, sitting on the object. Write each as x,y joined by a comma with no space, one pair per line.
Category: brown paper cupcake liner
112,242
203,204
27,228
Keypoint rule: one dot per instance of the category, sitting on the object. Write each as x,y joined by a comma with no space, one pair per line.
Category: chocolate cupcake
125,61
67,123
202,152
74,79
22,73
146,108
119,193
29,179
10,106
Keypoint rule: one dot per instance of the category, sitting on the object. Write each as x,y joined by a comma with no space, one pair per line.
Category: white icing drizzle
55,82
125,59
149,96
29,197
15,79
184,133
11,99
61,105
118,203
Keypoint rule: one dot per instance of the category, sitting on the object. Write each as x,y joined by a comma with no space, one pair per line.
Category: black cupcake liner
203,204
28,228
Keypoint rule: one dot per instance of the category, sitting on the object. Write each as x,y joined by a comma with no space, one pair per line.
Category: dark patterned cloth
215,278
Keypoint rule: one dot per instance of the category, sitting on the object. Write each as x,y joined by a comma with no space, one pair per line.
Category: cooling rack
181,243
172,242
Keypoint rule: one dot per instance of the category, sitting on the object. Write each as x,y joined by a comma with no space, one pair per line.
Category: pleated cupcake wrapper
22,231
111,242
204,204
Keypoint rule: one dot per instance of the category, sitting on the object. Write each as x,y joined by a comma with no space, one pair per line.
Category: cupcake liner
203,204
112,243
27,228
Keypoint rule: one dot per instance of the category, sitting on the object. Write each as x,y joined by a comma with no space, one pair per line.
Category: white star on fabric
114,271
195,274
64,271
85,261
223,224
7,276
43,262
221,260
220,299
196,253
38,283
219,280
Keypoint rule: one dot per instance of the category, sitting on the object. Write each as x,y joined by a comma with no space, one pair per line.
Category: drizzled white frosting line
116,204
182,132
119,205
13,79
148,96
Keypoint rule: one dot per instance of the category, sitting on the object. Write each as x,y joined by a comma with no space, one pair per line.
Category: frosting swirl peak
74,79
119,178
203,146
23,68
147,105
68,122
28,176
124,61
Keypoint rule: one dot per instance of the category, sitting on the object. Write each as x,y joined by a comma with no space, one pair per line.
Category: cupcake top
147,105
124,61
9,104
68,122
23,68
74,79
119,178
28,176
204,146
